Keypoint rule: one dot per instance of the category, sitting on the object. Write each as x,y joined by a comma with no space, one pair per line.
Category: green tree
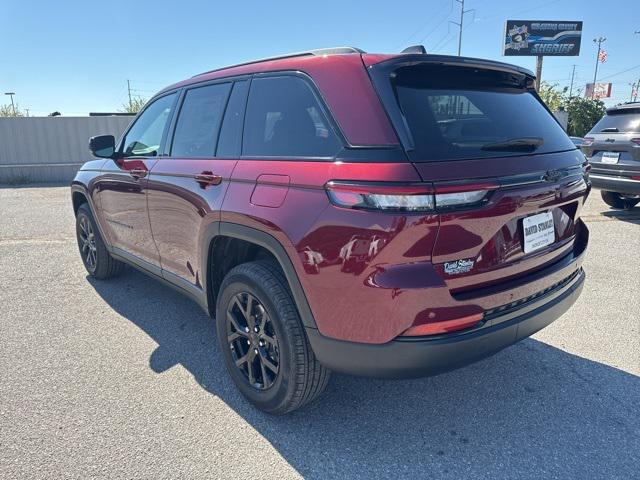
584,113
8,111
552,96
134,105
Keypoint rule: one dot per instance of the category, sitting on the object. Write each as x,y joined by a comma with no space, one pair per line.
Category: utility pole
459,24
13,107
27,110
634,91
129,90
573,74
599,41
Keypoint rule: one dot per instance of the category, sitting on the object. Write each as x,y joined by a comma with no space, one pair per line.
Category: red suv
379,215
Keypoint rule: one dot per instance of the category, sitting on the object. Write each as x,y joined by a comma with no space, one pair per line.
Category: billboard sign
597,90
542,38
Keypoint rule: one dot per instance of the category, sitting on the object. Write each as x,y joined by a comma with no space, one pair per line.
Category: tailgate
485,245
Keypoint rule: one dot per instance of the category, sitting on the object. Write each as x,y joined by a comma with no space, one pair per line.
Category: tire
282,342
617,200
96,258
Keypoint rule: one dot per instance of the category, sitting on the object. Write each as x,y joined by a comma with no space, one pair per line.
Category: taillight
379,196
407,197
636,141
587,141
462,195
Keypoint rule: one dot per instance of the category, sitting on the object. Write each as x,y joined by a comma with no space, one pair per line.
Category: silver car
613,149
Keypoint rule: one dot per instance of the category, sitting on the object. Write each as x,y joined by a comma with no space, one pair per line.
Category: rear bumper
423,356
615,184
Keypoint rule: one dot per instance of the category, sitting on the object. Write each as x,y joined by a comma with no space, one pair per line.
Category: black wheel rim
252,341
88,248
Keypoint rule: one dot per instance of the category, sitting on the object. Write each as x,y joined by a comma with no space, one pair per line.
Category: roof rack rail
317,52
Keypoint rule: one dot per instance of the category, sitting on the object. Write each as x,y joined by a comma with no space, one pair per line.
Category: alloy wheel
88,243
252,340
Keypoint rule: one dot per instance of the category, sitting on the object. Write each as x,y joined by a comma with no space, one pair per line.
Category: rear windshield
458,113
627,122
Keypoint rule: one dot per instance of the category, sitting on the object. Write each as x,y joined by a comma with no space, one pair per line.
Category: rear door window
450,116
618,121
284,119
196,131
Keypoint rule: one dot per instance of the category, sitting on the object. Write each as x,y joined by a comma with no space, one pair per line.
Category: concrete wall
50,149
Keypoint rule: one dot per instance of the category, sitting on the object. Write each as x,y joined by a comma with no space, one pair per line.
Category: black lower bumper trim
416,357
616,184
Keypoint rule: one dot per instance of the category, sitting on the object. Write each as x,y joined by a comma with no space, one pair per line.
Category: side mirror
103,146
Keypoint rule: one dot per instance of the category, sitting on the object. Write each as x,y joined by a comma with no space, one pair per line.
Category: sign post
541,38
538,71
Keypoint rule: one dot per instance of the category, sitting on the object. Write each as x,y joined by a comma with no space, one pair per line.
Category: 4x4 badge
459,266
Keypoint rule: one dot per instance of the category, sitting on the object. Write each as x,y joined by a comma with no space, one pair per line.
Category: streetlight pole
13,107
599,41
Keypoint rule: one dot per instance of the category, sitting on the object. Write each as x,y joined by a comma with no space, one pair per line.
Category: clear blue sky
76,56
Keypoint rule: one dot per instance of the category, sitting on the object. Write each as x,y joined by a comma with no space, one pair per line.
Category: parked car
613,149
577,141
379,215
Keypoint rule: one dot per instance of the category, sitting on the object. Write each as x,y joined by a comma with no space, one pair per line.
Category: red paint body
367,276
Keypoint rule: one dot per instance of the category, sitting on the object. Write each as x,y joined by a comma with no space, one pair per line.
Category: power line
421,28
519,12
440,43
620,73
435,29
444,44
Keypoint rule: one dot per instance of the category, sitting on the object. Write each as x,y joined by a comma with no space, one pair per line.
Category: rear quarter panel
337,253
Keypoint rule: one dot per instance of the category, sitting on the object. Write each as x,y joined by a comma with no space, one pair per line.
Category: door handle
138,173
208,178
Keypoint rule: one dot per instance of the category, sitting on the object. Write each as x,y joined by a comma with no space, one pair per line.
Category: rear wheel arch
231,244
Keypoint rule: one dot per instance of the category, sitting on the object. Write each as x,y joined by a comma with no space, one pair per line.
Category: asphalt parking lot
123,379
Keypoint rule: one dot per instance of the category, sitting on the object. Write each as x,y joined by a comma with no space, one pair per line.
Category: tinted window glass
144,137
284,119
458,118
618,122
197,127
231,132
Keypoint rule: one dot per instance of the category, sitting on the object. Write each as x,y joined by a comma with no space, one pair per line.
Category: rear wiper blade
610,129
515,144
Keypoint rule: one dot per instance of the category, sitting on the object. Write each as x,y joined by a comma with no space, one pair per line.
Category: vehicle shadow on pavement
530,411
631,216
